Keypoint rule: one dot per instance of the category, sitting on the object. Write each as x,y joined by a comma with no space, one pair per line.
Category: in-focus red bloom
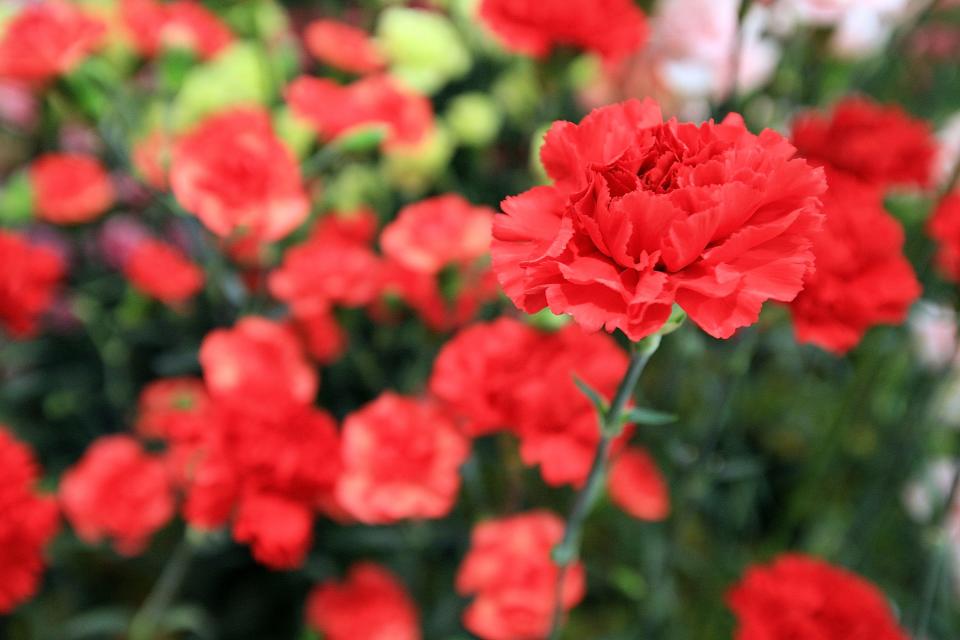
370,604
376,100
944,227
155,26
645,213
28,521
476,374
119,492
70,188
47,39
862,277
876,143
431,234
510,571
401,460
234,174
160,270
612,28
29,280
804,598
343,46
638,487
236,360
278,530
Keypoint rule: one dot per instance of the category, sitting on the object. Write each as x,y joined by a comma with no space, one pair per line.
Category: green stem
611,426
147,619
938,560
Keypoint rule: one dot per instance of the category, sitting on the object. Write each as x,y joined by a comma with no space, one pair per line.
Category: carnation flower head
512,577
873,142
944,227
803,598
47,39
401,460
369,604
278,530
643,214
161,271
343,46
611,28
862,277
31,275
374,101
119,492
638,487
238,178
186,24
28,521
70,188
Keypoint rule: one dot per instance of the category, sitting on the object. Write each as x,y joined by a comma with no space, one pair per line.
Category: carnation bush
494,319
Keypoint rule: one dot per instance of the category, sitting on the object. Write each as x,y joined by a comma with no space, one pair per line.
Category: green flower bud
474,119
518,92
298,135
414,168
424,48
356,185
16,200
536,165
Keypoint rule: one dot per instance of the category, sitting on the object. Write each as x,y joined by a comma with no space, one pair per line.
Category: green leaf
642,415
598,402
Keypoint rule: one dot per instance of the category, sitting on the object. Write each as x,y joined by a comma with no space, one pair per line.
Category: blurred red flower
235,360
804,598
343,46
437,232
377,100
876,143
322,336
611,28
155,26
29,280
510,572
119,492
371,604
644,213
233,173
28,521
401,460
944,227
278,530
47,39
175,409
151,158
862,277
161,271
638,487
70,188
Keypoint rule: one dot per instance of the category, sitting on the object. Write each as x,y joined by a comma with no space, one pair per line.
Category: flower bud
412,169
474,119
424,48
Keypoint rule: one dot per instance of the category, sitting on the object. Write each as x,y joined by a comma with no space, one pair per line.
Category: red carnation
803,598
944,227
186,24
235,361
70,188
160,270
371,604
477,373
645,213
117,491
510,572
28,521
343,46
862,277
876,143
322,336
434,233
278,530
401,460
151,158
174,409
47,39
29,281
638,487
611,28
234,174
376,100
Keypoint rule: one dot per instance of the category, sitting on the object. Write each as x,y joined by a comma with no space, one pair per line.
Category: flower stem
611,426
938,559
147,619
